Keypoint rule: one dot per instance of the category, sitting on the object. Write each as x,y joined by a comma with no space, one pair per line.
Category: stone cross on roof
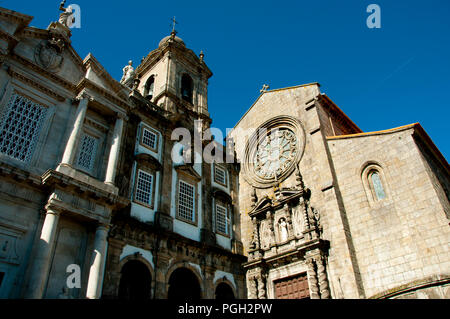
265,87
173,24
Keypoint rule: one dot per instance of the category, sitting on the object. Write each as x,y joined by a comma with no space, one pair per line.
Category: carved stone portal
286,228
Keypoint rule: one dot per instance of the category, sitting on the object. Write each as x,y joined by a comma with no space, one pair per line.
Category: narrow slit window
377,186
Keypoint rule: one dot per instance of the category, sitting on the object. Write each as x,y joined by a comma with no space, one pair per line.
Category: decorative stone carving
66,18
272,151
128,74
283,229
251,285
299,179
267,232
261,280
48,57
254,243
297,216
312,275
254,198
297,225
323,280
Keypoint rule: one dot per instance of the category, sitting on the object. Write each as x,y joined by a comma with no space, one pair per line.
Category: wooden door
295,287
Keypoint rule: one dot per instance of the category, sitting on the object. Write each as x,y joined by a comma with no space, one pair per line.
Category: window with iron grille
220,175
144,187
186,198
20,126
87,152
149,138
221,219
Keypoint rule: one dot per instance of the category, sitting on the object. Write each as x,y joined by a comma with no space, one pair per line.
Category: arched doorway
183,285
135,282
224,292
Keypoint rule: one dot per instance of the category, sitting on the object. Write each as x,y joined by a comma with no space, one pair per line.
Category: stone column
112,269
69,151
323,280
208,283
312,275
114,152
261,280
42,260
251,292
94,288
161,269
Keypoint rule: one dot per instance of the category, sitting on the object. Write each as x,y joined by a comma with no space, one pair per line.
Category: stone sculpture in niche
283,226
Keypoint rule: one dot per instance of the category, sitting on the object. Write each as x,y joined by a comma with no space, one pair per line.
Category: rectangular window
20,127
144,188
186,198
220,175
221,219
150,139
86,155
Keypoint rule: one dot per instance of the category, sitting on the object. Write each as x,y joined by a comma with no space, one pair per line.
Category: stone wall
405,236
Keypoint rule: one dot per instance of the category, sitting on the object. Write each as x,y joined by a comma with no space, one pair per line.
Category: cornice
22,19
149,161
51,76
35,84
86,83
52,178
91,61
10,39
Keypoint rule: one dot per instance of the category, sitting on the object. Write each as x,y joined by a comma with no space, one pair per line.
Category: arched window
377,185
187,88
374,182
148,88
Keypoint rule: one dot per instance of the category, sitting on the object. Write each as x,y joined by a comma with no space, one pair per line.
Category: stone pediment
149,161
279,199
188,170
218,193
96,73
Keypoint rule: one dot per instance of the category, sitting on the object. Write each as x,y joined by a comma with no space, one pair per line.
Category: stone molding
278,122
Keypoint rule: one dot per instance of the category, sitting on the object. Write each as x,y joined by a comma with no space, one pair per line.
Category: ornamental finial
174,22
265,87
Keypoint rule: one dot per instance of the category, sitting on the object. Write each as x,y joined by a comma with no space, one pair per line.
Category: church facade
100,196
328,211
115,189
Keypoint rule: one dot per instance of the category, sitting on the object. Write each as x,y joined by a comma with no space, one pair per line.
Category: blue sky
381,78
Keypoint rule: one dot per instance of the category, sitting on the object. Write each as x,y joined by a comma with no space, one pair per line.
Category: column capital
84,95
104,227
52,210
121,116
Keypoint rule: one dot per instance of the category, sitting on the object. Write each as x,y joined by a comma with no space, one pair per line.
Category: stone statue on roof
66,18
128,74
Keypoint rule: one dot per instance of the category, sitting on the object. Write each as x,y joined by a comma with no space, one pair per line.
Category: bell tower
174,78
